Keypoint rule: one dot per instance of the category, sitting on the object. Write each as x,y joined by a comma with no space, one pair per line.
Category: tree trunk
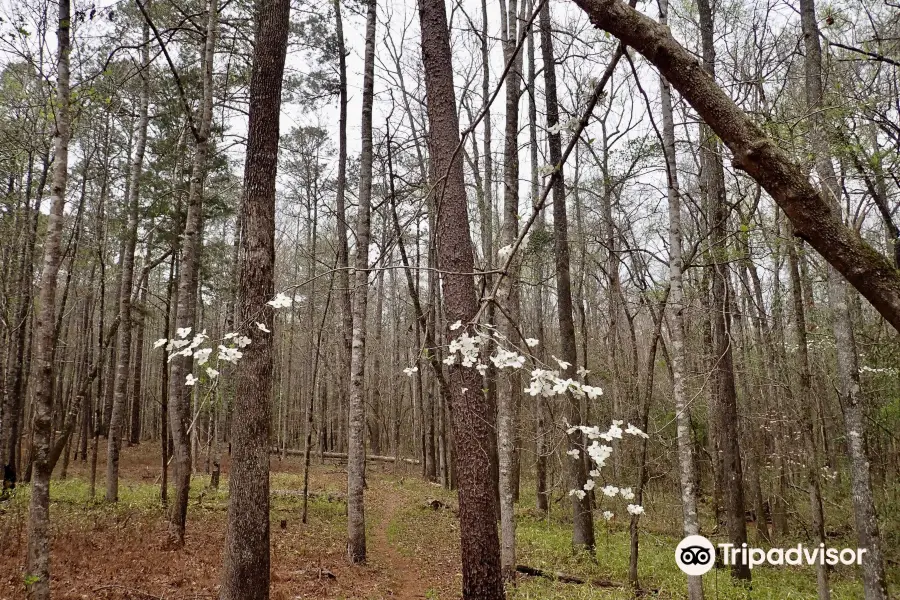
713,185
851,397
181,366
117,419
582,519
246,565
480,546
686,464
38,561
511,385
356,447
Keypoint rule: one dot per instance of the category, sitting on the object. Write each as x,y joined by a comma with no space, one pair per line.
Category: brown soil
106,552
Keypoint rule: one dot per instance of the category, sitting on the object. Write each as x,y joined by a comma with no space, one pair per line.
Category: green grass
547,545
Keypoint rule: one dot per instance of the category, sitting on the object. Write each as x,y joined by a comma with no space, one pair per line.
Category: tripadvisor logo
696,555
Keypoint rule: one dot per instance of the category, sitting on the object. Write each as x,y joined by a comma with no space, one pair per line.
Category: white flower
609,490
202,355
532,342
279,301
574,453
183,332
456,326
229,354
582,372
505,252
545,170
450,360
594,473
410,371
562,364
592,392
626,494
505,358
481,368
589,485
160,343
212,372
190,379
579,493
262,327
228,336
608,515
242,341
632,430
635,509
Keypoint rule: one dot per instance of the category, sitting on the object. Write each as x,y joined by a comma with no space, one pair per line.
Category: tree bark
582,519
686,464
510,390
246,566
179,395
356,447
480,546
852,399
38,560
712,185
117,419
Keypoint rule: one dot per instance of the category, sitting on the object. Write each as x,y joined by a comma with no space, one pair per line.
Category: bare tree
38,560
356,449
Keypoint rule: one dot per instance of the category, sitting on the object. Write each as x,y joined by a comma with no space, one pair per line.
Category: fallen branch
343,456
565,578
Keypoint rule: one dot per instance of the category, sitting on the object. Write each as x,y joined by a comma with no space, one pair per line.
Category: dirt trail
403,571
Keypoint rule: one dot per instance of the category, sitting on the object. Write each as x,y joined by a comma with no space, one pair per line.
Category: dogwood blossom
279,301
190,379
505,252
410,371
608,515
531,342
202,355
589,485
632,430
574,453
212,372
609,490
183,332
578,493
229,354
160,343
626,494
262,327
456,326
635,509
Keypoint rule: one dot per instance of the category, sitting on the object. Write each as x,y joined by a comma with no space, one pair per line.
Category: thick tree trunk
181,366
120,385
582,519
38,561
482,578
246,569
356,447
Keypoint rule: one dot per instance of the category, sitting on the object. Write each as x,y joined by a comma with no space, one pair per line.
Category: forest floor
103,551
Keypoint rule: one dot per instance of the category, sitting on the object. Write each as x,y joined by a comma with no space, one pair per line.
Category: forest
563,299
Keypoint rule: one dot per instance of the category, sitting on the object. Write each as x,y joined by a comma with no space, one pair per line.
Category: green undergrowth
547,545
